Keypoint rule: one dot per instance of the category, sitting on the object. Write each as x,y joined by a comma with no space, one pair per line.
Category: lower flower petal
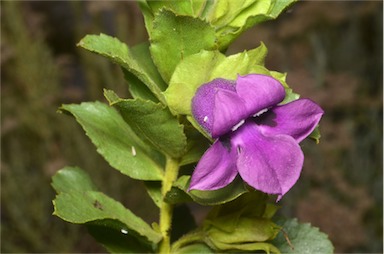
271,164
216,169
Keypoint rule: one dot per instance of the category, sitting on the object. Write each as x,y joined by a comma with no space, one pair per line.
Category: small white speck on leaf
124,231
133,151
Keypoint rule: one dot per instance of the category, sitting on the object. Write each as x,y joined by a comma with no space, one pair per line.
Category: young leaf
192,72
232,18
240,224
115,141
224,11
137,64
249,247
242,63
249,234
152,121
174,37
205,66
195,248
301,238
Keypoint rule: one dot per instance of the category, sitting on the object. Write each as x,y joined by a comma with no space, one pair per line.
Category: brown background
332,52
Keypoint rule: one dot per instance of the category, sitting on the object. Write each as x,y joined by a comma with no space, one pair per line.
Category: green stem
166,209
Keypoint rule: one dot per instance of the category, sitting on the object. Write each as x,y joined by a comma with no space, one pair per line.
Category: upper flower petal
216,169
228,111
297,119
217,107
259,92
271,164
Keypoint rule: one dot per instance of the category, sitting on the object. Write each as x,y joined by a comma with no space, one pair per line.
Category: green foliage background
331,51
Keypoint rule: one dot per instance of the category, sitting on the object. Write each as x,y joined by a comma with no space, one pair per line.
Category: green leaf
153,121
249,246
72,178
279,6
177,196
241,224
249,204
79,202
205,66
115,239
221,196
251,9
195,248
115,141
154,191
89,206
180,7
246,230
192,72
197,144
232,18
194,8
303,237
137,88
136,62
315,135
174,37
246,62
289,94
147,14
225,11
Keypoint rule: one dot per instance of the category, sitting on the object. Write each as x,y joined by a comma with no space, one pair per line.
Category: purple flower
255,137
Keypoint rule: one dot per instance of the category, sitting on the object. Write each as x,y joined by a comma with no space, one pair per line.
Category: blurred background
332,51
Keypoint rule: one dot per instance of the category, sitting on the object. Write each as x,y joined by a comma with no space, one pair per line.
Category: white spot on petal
133,151
124,231
238,125
205,119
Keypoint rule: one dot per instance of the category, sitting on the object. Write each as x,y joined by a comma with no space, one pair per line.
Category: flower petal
229,110
216,169
271,164
259,92
217,107
297,119
204,100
